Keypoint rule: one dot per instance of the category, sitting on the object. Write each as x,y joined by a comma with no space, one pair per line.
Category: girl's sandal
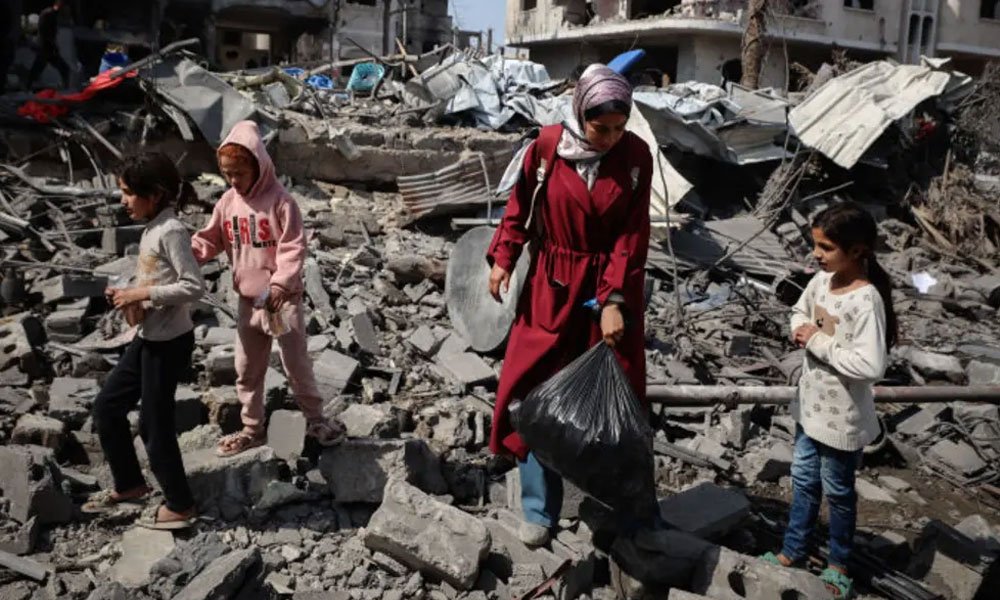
151,520
772,558
327,433
105,501
239,442
839,584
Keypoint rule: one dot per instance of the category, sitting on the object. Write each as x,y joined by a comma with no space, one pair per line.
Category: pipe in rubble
710,395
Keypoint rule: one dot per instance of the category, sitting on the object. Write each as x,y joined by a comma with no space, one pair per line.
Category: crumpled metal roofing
844,117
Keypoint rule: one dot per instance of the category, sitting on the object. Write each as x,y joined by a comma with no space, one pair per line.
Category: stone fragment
65,325
873,493
278,494
231,484
728,575
468,369
223,578
370,420
220,364
661,558
733,429
19,335
224,408
334,371
70,400
706,510
68,287
894,484
933,365
959,456
364,334
28,567
286,433
141,549
768,465
31,482
919,420
357,470
954,563
427,535
424,340
39,430
982,373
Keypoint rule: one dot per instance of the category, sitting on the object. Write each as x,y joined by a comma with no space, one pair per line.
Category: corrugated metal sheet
457,189
845,116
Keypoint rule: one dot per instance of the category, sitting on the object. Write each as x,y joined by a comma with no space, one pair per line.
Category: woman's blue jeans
819,470
541,492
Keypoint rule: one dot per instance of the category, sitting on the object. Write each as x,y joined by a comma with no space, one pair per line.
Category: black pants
148,371
48,53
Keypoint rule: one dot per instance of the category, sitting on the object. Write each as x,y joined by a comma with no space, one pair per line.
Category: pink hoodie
261,233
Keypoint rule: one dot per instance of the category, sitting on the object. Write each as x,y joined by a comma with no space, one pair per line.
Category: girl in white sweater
846,323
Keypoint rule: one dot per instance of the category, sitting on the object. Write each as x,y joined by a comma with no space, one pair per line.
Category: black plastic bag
586,424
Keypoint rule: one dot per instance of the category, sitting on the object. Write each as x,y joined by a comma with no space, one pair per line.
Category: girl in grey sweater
167,281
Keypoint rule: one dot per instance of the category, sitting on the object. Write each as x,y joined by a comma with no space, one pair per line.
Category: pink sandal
239,442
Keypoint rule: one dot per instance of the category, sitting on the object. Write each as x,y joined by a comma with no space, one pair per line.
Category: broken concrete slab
286,434
918,420
66,325
894,484
954,563
706,510
467,369
659,558
424,340
357,470
370,420
364,334
70,400
223,578
39,430
32,483
768,465
933,365
28,567
141,549
959,456
873,493
978,529
428,535
334,372
728,575
982,373
277,494
68,287
230,485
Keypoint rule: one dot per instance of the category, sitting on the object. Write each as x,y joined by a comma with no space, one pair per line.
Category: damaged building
699,40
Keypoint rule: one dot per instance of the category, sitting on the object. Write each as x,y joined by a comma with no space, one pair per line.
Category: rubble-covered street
400,183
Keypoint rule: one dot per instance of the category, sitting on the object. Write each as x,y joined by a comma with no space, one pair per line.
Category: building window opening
365,2
529,4
860,4
925,38
989,9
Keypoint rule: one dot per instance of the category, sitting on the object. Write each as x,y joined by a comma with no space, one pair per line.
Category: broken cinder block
357,470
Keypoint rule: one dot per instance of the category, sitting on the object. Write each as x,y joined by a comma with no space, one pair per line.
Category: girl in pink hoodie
259,226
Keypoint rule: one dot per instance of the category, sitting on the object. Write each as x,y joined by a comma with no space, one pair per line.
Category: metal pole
710,395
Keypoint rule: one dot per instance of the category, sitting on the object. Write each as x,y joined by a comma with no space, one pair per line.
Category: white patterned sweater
843,361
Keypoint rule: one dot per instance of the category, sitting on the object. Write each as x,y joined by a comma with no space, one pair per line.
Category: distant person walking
48,49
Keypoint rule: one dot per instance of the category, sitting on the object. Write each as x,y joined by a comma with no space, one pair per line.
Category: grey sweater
168,268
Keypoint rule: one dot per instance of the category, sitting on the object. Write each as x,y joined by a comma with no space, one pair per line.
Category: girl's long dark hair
849,225
151,174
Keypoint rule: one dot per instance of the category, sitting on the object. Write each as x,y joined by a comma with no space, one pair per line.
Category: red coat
595,243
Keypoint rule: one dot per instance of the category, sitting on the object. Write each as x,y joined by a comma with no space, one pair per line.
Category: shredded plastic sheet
586,424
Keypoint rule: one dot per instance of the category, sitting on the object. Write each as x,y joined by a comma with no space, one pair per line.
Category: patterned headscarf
599,84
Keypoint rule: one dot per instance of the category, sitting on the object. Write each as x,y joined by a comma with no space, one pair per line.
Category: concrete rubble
413,504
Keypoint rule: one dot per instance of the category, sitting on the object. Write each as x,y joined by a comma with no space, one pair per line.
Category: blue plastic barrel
111,60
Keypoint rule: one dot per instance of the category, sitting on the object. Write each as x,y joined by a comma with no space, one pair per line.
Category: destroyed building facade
699,40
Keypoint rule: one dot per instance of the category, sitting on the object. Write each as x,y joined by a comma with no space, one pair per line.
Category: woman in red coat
593,208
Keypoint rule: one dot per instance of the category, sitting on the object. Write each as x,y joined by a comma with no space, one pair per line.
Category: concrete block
70,400
190,411
982,373
65,325
223,578
39,430
873,493
365,334
286,434
141,549
728,575
958,455
659,558
467,369
334,371
954,563
933,365
32,483
231,484
370,420
114,240
68,287
733,429
428,535
706,510
424,340
220,364
357,470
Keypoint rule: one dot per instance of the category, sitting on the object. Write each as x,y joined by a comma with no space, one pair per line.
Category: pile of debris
414,505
